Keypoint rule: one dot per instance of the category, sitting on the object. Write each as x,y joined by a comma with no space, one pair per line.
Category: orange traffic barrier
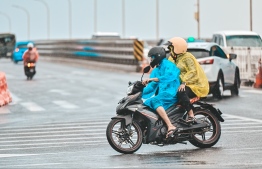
5,96
258,83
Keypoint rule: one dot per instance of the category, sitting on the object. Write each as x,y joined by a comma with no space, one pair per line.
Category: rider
194,82
164,78
30,55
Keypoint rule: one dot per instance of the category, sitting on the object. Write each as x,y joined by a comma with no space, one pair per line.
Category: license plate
31,70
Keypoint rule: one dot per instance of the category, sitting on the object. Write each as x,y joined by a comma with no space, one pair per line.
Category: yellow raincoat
192,74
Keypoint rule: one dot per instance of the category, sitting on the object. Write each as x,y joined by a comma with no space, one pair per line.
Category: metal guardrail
117,51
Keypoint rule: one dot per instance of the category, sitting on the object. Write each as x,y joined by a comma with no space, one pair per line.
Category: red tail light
206,62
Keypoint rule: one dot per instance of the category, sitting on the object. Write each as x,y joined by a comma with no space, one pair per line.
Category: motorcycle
136,124
30,70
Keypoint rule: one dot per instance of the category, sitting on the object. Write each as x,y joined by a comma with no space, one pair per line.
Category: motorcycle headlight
129,89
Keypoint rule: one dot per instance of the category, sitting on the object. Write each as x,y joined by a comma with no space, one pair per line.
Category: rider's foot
171,131
191,119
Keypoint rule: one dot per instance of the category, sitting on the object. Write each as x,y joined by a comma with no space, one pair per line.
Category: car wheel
234,89
219,87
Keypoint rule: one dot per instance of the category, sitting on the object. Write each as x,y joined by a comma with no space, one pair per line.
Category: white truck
248,47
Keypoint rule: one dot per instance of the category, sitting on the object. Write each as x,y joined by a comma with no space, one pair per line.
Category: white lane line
243,118
233,124
46,147
15,155
4,110
54,143
78,73
61,125
86,128
62,92
50,136
244,131
36,141
32,106
15,99
253,91
31,165
242,127
65,104
93,101
49,132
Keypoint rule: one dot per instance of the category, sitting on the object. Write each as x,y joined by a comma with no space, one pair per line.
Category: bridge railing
116,51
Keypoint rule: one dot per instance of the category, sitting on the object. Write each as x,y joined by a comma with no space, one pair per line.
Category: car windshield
244,40
22,46
199,53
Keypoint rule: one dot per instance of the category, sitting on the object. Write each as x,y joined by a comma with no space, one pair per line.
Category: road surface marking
62,92
32,106
243,118
15,99
4,110
15,155
253,91
65,104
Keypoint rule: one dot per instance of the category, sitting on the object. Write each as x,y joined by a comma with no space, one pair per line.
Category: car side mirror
232,56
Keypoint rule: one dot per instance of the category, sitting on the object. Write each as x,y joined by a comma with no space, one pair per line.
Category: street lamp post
197,18
251,19
95,16
70,18
48,17
28,19
8,18
123,17
157,20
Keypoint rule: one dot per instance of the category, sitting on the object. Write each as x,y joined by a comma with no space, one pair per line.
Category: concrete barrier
5,96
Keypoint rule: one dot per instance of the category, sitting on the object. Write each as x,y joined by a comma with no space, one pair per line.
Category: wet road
58,120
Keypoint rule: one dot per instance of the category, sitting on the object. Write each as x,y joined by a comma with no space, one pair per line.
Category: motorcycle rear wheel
121,139
210,136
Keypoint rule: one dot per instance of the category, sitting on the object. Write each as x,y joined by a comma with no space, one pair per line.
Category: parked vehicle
248,47
135,124
222,73
7,44
20,48
237,38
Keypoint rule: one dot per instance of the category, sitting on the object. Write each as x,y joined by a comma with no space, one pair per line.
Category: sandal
171,132
191,120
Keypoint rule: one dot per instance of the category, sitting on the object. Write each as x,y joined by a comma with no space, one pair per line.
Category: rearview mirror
147,69
232,56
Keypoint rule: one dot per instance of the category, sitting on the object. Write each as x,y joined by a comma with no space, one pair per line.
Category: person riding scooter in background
164,78
30,56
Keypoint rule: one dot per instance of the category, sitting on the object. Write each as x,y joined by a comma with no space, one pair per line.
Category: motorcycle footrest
182,121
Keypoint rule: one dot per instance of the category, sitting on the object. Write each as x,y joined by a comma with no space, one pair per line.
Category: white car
221,71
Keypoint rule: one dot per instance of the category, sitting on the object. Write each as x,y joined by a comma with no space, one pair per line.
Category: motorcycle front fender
127,118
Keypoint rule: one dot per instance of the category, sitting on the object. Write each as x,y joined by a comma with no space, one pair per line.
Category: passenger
164,78
194,82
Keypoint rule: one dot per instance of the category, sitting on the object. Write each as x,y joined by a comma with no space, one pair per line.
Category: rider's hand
145,82
182,87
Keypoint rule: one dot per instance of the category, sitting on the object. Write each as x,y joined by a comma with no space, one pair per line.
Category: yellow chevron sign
139,50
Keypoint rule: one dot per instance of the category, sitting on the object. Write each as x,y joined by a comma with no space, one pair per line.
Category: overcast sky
176,18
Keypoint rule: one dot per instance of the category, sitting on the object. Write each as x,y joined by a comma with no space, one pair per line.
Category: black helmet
157,54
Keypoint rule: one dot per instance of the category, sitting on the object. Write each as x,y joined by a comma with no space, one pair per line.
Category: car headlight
129,89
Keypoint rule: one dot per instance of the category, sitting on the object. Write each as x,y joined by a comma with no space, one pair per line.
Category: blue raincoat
169,82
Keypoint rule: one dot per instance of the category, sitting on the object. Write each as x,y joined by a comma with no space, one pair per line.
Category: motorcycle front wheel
122,138
208,136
